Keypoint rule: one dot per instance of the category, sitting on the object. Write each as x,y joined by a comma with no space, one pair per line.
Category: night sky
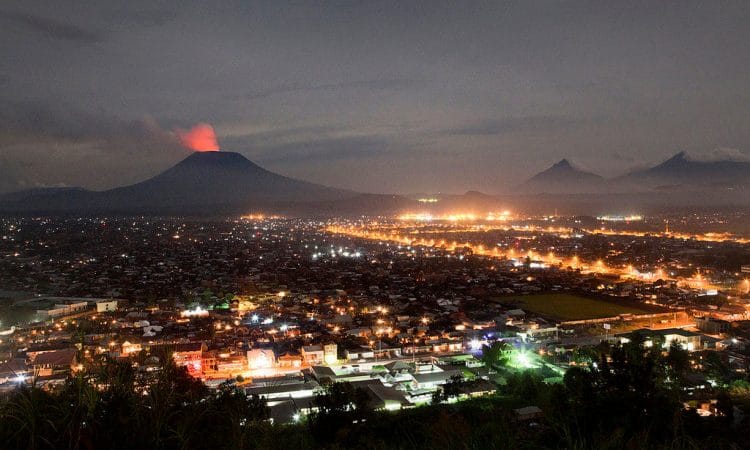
371,96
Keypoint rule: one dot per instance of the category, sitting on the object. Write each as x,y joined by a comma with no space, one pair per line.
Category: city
409,313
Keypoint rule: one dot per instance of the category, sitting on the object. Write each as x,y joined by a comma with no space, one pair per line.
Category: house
259,358
188,355
13,370
312,354
231,364
106,306
288,360
62,309
477,388
382,397
129,348
433,379
359,353
528,413
687,339
320,354
52,362
711,325
284,390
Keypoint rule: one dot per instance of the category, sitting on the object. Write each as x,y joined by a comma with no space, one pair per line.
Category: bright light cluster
196,312
631,218
455,217
346,253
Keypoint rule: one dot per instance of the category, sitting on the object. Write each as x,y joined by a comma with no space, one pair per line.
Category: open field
574,307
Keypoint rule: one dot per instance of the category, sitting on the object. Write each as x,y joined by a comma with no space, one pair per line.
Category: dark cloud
56,145
52,28
375,85
327,150
539,124
145,17
61,120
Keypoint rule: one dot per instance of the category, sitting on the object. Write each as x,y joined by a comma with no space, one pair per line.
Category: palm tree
28,419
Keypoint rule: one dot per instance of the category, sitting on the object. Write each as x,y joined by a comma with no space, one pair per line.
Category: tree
496,354
678,361
453,387
725,406
715,368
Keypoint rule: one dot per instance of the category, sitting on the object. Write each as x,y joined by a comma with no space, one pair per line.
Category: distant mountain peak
678,158
689,172
564,168
563,164
563,177
680,155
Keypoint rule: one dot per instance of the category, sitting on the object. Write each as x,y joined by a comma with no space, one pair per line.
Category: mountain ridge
202,182
678,172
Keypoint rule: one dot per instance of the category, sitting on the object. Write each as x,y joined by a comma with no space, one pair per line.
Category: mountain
203,183
680,172
563,178
215,178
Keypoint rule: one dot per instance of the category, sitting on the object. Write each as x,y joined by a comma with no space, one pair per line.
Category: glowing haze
200,138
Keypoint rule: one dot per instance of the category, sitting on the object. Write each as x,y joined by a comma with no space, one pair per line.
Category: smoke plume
200,138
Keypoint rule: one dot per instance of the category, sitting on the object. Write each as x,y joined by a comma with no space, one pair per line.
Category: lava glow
200,138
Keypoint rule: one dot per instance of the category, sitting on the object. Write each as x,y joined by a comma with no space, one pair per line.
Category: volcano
220,178
213,181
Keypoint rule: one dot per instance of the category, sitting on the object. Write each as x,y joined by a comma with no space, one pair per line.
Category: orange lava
200,138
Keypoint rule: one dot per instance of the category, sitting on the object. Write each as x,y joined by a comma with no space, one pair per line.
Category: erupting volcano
200,138
207,181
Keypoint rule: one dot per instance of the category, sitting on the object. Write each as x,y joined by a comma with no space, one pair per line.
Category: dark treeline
627,397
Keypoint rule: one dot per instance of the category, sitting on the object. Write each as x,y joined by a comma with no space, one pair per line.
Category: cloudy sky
373,96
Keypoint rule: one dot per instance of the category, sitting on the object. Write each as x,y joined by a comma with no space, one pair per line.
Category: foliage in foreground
631,398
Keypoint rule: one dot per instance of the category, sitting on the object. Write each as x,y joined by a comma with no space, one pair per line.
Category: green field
574,307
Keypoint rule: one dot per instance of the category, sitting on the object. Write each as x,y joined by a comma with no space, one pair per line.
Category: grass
574,307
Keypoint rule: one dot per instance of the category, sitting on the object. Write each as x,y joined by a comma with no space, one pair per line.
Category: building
712,326
319,354
745,268
106,306
130,348
528,413
287,360
62,309
433,378
312,354
687,339
54,362
13,371
261,358
189,355
285,390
